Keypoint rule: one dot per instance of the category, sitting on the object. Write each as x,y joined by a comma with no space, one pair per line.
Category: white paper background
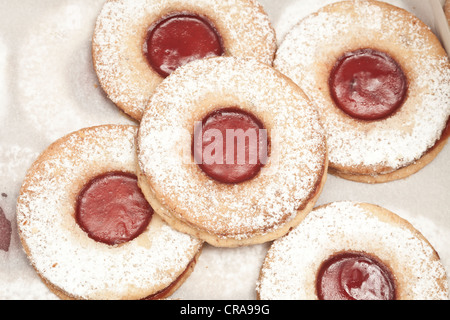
48,88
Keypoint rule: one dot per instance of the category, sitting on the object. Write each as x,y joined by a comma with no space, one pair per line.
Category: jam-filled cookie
87,228
138,43
353,251
381,80
231,151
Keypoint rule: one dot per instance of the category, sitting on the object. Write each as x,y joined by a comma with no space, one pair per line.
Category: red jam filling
180,39
112,209
368,85
230,146
5,232
354,276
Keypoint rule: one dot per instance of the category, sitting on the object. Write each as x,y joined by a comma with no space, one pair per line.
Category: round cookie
394,260
319,51
121,37
225,212
69,252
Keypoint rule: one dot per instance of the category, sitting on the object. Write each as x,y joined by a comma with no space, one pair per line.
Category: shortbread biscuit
255,210
381,256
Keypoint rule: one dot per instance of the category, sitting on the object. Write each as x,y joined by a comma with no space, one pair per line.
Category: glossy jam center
180,39
230,146
368,85
111,209
354,276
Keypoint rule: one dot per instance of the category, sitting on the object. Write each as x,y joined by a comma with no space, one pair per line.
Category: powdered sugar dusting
395,142
57,89
118,44
242,210
447,11
63,254
3,84
293,261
